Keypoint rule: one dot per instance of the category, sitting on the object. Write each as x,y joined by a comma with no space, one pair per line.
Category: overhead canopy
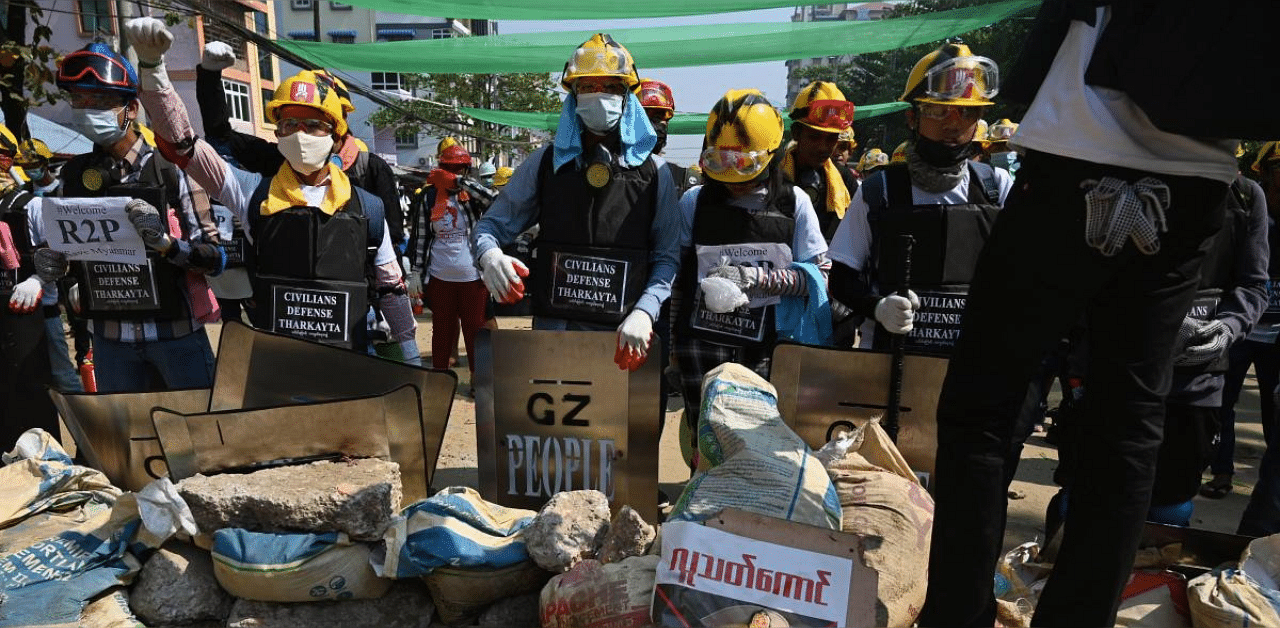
558,10
666,47
681,124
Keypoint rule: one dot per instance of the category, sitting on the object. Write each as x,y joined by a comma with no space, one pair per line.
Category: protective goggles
310,126
830,114
1000,133
108,71
656,97
717,161
963,77
935,111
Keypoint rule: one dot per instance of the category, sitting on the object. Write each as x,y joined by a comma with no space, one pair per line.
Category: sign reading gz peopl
92,229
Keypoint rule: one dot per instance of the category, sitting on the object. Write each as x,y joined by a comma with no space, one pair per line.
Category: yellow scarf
286,191
837,194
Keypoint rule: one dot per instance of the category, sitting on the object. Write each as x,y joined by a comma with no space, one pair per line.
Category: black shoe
663,499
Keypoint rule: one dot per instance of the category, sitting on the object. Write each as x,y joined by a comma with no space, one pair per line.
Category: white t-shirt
807,242
851,245
451,249
1102,125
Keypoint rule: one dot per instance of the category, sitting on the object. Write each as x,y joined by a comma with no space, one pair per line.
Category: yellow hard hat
1002,130
822,106
743,134
8,142
847,137
502,176
1270,152
445,144
899,154
308,90
980,134
953,75
344,95
33,152
600,56
873,158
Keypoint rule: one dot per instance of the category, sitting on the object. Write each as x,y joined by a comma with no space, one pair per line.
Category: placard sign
588,282
937,323
121,287
310,313
748,321
92,229
8,280
231,239
554,413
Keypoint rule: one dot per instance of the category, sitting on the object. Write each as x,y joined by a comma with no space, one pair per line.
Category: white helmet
487,169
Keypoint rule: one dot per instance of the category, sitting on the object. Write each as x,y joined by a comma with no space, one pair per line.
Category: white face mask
306,153
101,126
600,112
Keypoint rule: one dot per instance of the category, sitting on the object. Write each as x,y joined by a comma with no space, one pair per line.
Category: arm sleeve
514,211
664,259
213,104
393,302
1241,308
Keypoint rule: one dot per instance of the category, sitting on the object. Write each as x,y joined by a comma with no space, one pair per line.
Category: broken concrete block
406,605
569,528
522,611
177,586
357,497
628,535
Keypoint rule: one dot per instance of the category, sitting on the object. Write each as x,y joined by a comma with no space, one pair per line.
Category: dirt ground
1030,493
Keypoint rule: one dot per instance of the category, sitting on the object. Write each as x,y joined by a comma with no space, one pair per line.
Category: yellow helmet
502,176
33,152
1002,130
743,134
9,143
847,137
313,89
600,56
953,75
1270,152
445,144
899,154
822,106
980,134
873,158
344,95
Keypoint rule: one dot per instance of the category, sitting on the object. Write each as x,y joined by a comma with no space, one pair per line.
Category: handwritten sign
92,229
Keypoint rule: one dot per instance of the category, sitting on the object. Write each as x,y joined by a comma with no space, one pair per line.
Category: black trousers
1035,278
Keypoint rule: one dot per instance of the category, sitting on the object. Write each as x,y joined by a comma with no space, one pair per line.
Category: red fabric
8,251
444,182
451,303
204,305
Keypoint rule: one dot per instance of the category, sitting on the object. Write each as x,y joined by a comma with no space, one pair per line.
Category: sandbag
460,594
754,461
455,527
270,567
592,594
1241,596
881,497
1154,599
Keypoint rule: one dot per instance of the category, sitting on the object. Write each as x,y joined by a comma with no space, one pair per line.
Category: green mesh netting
559,10
681,123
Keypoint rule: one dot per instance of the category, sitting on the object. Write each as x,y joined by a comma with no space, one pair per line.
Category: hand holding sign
150,225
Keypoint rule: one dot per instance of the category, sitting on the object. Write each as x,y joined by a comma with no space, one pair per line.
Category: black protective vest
948,239
591,257
13,212
1219,272
717,223
128,291
313,273
1271,315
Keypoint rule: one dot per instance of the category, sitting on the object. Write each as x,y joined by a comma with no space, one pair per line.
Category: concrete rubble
176,586
406,605
569,528
522,611
628,535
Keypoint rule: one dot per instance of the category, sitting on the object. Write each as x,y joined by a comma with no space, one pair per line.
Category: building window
267,95
238,106
300,5
407,138
441,33
261,26
343,37
339,6
386,81
95,16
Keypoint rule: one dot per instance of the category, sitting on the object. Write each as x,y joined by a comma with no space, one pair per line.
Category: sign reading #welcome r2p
92,229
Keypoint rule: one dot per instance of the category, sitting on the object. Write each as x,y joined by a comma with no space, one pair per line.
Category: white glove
151,227
26,295
73,297
1206,344
897,314
150,38
217,56
635,331
502,275
412,282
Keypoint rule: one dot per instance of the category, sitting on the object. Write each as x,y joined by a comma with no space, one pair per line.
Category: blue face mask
101,126
600,112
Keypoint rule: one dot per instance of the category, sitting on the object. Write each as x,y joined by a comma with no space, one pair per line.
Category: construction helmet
446,143
9,143
33,152
952,75
980,134
743,134
502,176
600,56
1269,153
486,169
657,95
97,66
344,95
899,154
822,106
1002,130
309,88
455,155
872,159
847,137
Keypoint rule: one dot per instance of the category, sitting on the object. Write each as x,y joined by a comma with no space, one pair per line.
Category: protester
33,158
309,200
1054,255
820,114
844,150
597,192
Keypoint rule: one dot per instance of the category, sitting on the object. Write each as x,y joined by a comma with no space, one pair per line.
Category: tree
880,77
25,66
509,92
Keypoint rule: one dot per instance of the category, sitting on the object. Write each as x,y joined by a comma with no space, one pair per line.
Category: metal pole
315,17
898,348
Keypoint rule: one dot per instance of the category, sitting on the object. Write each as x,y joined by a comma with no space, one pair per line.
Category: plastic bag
722,295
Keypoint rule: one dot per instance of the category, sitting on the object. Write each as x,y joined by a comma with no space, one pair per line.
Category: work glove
634,335
150,225
722,295
50,265
217,56
1207,344
26,295
412,281
745,277
502,275
897,313
150,38
73,297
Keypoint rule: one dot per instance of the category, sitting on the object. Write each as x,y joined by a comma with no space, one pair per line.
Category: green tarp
560,10
681,124
666,47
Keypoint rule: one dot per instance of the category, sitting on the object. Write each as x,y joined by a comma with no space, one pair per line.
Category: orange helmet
455,155
657,95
